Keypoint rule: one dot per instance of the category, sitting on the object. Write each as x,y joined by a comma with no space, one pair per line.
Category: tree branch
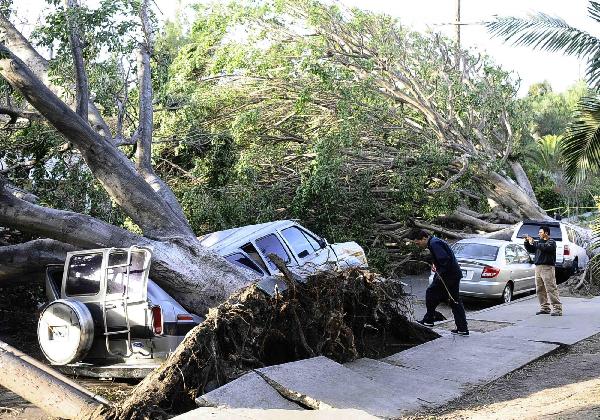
144,149
22,49
77,229
139,199
81,79
31,257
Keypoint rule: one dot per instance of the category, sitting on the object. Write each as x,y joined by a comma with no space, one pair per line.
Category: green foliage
551,112
582,143
263,125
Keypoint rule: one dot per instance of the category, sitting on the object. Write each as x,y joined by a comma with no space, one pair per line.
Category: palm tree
581,145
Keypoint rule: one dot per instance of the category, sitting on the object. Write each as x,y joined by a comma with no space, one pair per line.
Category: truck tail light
489,272
157,320
567,251
184,317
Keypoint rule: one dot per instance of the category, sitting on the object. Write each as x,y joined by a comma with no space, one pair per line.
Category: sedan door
524,270
518,271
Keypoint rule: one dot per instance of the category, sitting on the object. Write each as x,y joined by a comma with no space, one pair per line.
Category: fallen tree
341,315
198,278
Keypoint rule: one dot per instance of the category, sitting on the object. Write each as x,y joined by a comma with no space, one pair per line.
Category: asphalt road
417,286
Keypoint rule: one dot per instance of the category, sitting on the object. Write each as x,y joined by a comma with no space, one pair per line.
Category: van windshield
533,231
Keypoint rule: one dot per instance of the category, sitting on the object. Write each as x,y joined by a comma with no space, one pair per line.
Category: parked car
301,249
571,255
106,318
493,269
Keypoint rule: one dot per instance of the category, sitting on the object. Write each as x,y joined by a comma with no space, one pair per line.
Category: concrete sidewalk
503,338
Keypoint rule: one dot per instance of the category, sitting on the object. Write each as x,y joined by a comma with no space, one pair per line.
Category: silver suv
106,318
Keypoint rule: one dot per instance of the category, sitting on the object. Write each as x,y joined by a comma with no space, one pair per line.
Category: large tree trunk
199,279
522,179
511,196
31,257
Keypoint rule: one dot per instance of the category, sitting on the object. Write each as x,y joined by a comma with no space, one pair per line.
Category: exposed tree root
343,316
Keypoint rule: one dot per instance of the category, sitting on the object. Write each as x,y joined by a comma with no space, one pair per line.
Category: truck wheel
65,331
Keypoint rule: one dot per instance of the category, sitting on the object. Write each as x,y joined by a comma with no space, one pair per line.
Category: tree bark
522,179
31,257
58,396
81,79
444,231
510,195
463,217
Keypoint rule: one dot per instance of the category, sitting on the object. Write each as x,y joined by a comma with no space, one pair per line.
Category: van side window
254,256
84,275
298,241
270,244
245,262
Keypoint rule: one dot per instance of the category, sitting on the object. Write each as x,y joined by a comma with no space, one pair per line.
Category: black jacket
444,260
545,251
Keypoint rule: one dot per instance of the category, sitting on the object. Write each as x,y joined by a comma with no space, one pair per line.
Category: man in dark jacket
446,282
545,277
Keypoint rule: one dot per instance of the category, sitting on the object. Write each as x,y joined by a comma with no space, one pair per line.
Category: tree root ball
340,315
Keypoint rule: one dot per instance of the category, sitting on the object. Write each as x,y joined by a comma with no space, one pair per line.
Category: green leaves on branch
581,145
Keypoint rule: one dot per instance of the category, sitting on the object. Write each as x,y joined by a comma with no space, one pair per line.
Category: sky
531,66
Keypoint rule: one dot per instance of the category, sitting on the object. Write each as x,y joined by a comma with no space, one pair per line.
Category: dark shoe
556,314
542,312
425,323
463,333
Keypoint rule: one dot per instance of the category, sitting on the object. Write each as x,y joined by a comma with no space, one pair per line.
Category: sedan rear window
475,251
534,230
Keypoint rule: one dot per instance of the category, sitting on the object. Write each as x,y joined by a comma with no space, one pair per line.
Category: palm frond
594,10
544,32
581,145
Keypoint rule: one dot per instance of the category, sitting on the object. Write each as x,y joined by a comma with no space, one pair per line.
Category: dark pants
436,293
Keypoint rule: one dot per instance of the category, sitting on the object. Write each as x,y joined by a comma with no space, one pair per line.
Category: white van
299,248
571,255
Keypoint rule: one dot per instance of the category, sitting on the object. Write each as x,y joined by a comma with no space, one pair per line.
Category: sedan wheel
507,294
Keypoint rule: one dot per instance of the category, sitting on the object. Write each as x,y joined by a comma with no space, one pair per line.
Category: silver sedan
493,268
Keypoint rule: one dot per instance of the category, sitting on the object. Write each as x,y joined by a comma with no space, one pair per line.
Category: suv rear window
473,251
85,274
534,230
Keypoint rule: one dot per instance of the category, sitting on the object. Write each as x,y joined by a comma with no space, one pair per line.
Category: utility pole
458,23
